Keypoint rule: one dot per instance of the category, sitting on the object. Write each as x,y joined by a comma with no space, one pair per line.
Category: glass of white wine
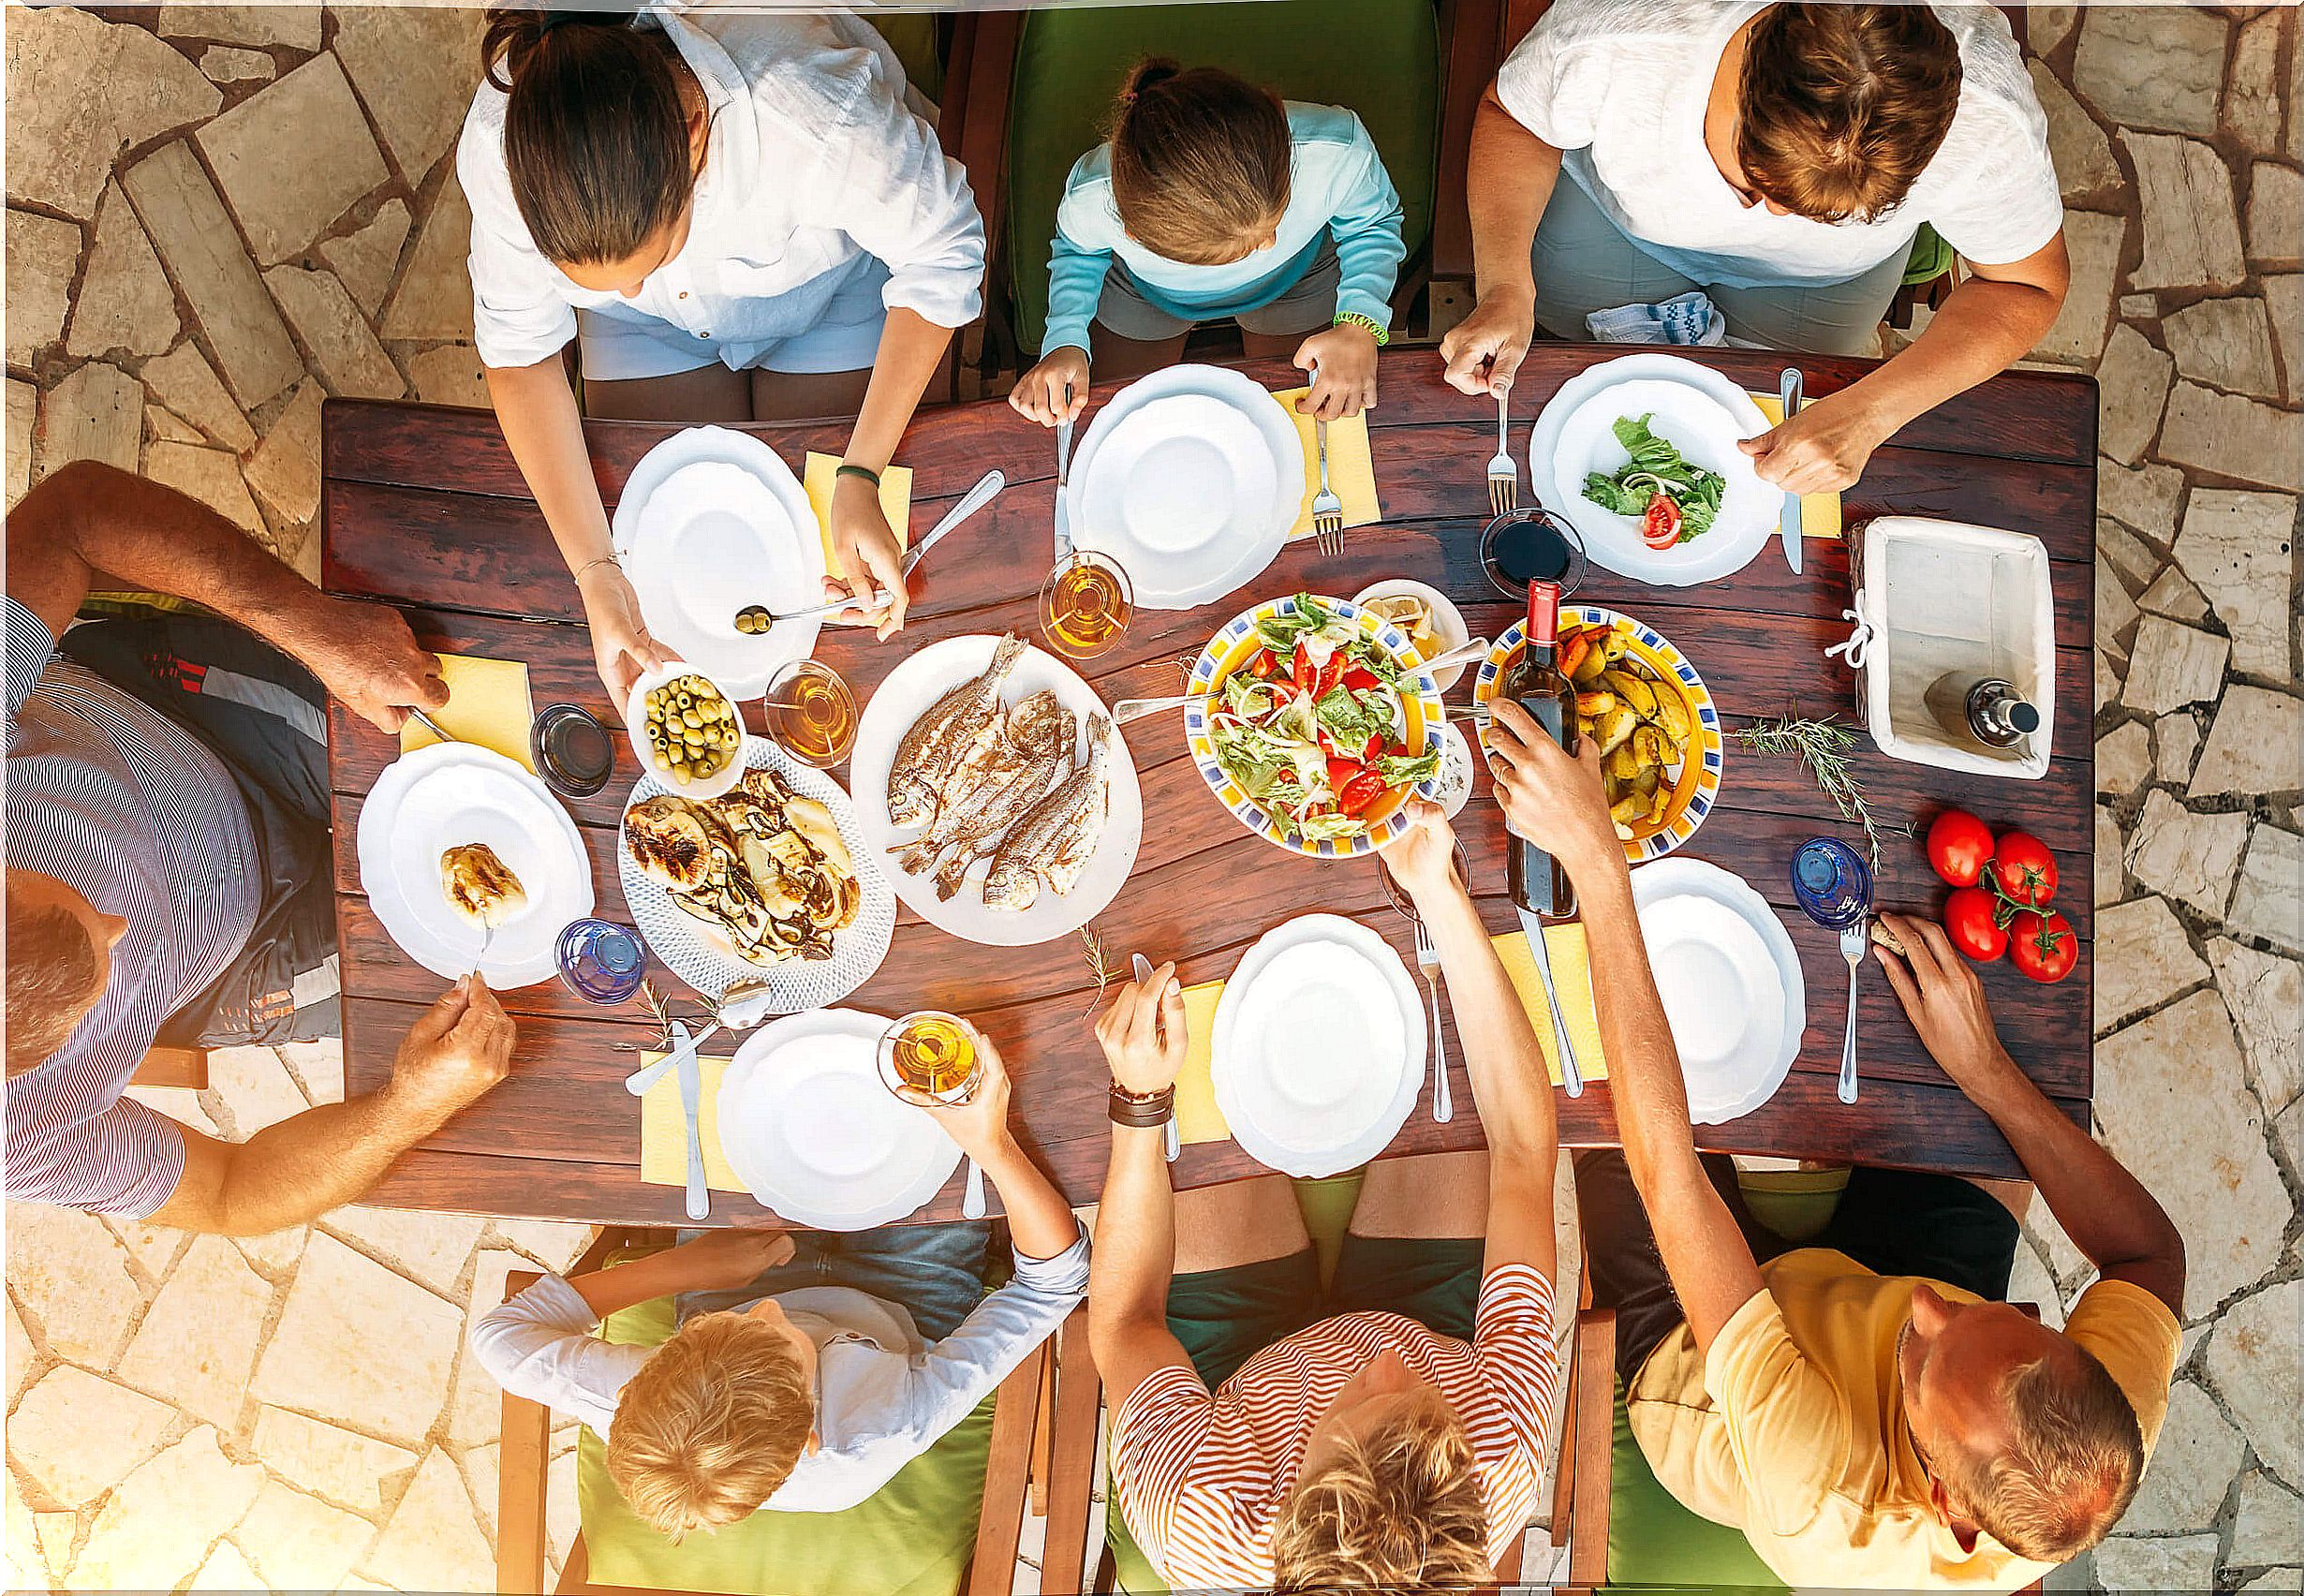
811,713
1084,604
929,1059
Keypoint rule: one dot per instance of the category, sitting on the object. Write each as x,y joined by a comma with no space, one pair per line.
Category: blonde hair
2071,1467
1398,1508
1200,162
712,1423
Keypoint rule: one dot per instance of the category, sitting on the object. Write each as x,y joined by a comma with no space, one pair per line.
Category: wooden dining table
423,509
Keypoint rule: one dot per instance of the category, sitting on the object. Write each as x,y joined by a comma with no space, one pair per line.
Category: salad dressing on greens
1313,725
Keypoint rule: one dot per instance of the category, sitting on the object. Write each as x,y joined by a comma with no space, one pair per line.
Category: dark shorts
1306,305
1892,1221
1224,1317
938,1273
265,717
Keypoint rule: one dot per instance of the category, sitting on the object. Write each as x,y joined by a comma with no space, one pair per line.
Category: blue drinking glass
1831,881
600,960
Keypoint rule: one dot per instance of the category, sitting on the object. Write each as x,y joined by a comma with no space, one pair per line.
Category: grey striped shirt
134,813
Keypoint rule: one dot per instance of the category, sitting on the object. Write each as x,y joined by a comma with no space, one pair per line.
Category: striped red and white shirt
1200,1477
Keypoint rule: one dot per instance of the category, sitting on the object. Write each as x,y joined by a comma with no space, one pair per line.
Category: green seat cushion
1930,257
1381,58
913,1538
1794,1204
1653,1540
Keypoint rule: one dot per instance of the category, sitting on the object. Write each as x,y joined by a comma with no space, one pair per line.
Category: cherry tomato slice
1263,667
1660,528
1361,791
1360,679
1343,772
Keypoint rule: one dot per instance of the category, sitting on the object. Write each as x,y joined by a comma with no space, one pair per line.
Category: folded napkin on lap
1691,318
664,1128
817,475
488,704
1351,471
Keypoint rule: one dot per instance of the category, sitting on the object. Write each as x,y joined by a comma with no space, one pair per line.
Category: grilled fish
1043,752
1055,840
964,720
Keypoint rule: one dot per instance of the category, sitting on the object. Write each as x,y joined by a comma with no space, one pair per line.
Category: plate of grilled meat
991,781
771,881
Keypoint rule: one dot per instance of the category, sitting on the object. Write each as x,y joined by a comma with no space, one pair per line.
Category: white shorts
844,337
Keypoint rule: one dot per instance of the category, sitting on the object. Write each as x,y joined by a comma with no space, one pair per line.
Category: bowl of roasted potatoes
687,731
1640,699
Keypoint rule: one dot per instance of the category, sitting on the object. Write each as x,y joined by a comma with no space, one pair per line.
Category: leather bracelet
1141,1112
866,472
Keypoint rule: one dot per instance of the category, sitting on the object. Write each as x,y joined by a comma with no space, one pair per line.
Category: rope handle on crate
1858,644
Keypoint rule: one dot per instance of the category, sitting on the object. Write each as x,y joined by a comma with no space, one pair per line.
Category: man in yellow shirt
1868,1413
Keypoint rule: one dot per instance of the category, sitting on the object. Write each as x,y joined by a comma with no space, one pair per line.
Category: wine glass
1529,545
1084,604
928,1058
811,713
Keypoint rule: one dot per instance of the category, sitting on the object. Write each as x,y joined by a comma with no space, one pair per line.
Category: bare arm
1135,1257
331,1154
1558,801
88,518
2114,1222
1988,324
910,346
1508,183
721,1260
1040,1221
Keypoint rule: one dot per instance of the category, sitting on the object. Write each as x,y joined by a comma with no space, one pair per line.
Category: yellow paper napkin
1198,1118
488,704
1352,470
1819,514
664,1128
895,500
1572,978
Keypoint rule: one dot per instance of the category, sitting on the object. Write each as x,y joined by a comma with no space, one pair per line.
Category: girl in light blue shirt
1215,199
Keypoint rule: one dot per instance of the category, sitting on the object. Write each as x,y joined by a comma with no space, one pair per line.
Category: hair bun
1150,73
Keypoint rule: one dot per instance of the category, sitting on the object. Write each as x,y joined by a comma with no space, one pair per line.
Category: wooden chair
525,1455
172,1066
980,86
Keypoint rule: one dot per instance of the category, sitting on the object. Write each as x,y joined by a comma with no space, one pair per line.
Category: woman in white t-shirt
740,218
1780,157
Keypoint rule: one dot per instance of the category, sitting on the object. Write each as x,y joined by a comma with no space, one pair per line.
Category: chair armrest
1015,1410
1072,1464
1588,1437
523,1463
972,125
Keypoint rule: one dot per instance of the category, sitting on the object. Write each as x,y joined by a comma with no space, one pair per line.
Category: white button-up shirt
883,1395
813,161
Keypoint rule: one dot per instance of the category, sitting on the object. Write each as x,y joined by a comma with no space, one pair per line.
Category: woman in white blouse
741,220
1780,157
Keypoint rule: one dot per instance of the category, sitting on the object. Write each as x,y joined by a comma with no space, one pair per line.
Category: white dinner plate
1318,1046
1750,510
901,698
1730,980
711,520
705,958
446,794
1167,489
808,1126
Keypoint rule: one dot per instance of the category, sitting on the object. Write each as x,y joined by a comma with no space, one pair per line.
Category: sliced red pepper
1375,750
1300,670
1360,678
1343,772
1263,667
1328,676
1364,790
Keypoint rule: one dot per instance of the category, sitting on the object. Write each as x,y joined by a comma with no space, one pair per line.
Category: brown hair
1840,108
2069,1472
51,974
596,137
1200,161
712,1423
1397,1509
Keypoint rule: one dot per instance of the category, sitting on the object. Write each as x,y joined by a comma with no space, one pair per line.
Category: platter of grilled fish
991,780
766,882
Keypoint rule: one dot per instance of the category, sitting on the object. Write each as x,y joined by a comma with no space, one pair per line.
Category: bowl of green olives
687,731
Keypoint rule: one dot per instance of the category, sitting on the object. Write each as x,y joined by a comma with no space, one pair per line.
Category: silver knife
1572,1077
1064,464
691,1095
1142,968
1788,391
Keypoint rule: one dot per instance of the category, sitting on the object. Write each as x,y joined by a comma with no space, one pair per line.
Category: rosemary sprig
1824,747
1100,965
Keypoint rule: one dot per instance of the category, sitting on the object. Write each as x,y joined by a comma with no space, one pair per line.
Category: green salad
1312,726
1672,500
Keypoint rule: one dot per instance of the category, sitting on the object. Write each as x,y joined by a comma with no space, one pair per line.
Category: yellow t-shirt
1794,1431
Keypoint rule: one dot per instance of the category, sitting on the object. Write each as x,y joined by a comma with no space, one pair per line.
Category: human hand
869,556
1943,999
621,646
368,659
1041,393
979,1125
1143,1034
1422,856
455,1051
1483,351
1342,362
1553,798
1822,449
730,1260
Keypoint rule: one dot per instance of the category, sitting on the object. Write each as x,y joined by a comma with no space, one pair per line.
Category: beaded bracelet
1141,1110
1353,318
866,472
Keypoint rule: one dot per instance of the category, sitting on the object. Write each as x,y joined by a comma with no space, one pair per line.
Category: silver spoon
987,487
640,1079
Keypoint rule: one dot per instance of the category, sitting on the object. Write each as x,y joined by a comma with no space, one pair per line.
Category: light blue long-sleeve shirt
1337,184
883,1395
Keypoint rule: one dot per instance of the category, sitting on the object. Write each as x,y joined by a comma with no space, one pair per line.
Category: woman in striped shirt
1396,1441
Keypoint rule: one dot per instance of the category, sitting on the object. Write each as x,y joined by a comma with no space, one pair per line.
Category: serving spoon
1136,709
760,618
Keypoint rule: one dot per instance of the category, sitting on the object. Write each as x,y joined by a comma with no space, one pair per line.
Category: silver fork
1327,510
1854,940
1503,474
1427,963
1172,1142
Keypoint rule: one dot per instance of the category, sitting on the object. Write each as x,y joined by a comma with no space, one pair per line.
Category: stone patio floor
219,214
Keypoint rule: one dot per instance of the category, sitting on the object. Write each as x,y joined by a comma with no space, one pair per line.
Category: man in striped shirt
165,832
1395,1443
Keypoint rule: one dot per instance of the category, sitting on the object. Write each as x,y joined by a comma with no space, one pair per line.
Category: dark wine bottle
1537,881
